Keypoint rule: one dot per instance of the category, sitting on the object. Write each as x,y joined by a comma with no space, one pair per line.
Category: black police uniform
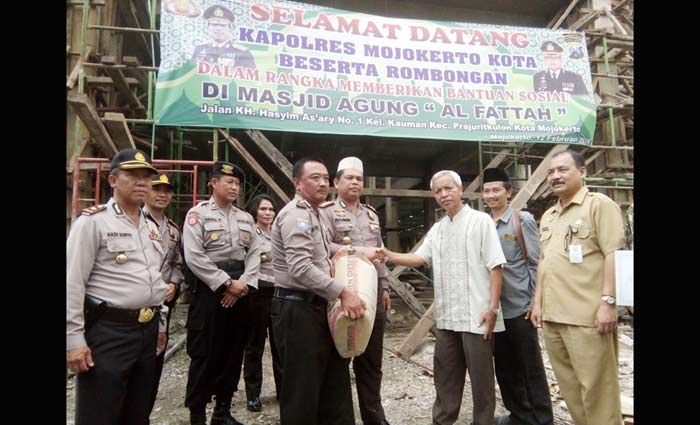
217,246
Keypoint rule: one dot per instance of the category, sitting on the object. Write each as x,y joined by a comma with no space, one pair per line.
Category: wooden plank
495,162
107,81
417,335
255,165
616,23
130,16
411,301
145,143
133,62
584,20
271,151
73,77
84,108
536,178
565,14
120,83
116,125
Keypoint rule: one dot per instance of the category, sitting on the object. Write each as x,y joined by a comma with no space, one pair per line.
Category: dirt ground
407,387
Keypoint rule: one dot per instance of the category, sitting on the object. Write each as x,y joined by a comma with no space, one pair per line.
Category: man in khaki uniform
315,379
218,241
350,222
114,289
575,293
159,198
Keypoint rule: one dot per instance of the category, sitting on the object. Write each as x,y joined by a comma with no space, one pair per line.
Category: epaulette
243,216
239,47
172,223
326,204
302,203
371,208
94,209
258,231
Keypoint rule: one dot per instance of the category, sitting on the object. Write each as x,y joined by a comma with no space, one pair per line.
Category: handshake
375,255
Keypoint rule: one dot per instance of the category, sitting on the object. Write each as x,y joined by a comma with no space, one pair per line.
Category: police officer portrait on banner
115,317
219,244
221,49
555,78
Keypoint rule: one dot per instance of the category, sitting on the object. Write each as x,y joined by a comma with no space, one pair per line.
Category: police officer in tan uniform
315,379
221,49
350,222
263,209
575,294
159,198
219,242
114,293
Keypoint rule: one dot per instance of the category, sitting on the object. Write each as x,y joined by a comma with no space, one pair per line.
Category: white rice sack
355,271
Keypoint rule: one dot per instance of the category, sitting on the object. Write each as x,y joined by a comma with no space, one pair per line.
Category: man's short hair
441,173
299,165
579,160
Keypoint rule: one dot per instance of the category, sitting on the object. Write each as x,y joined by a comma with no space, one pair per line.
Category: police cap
219,15
551,47
131,159
223,168
162,180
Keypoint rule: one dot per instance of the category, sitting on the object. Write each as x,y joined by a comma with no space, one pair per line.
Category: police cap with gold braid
131,159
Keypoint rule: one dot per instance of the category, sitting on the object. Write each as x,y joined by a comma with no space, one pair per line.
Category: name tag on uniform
575,254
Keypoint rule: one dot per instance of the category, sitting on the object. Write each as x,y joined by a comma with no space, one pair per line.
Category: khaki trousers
585,364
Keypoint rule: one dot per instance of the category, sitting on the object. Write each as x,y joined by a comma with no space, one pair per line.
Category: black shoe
254,404
222,415
198,419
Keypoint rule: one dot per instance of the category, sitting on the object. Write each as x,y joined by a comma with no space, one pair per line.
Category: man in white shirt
466,256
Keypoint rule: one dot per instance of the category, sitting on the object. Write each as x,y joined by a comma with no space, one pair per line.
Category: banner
287,66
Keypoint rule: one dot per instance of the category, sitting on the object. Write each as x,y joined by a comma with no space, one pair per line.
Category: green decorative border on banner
287,66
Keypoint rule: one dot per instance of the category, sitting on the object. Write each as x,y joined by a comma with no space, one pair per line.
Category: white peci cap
350,162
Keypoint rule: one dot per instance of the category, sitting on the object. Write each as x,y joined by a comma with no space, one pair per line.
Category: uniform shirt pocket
214,235
245,233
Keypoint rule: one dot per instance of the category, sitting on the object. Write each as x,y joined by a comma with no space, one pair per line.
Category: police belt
234,268
303,296
143,315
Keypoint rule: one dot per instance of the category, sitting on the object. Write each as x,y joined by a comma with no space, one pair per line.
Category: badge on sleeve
303,225
192,219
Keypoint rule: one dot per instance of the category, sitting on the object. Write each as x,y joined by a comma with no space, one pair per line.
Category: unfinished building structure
112,56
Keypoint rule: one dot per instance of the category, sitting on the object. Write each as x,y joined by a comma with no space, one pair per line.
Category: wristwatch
608,299
494,310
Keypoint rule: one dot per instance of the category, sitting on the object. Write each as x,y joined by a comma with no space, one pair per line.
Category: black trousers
368,372
160,358
216,338
520,373
259,327
315,386
118,389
